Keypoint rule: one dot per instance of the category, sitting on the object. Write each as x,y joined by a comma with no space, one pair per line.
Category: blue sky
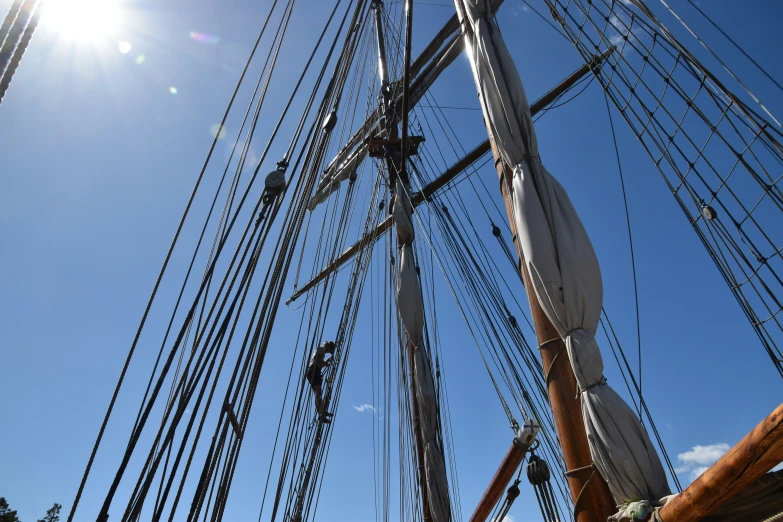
100,144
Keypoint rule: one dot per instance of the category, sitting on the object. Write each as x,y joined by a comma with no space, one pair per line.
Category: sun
87,20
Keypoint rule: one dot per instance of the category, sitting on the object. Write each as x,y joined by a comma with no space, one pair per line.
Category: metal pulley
537,470
709,213
513,491
330,121
274,183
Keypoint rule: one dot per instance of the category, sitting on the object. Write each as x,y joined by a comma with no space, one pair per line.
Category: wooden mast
592,500
395,166
403,173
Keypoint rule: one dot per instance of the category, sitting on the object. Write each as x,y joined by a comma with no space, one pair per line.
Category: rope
584,486
162,272
24,40
735,44
671,103
630,244
10,32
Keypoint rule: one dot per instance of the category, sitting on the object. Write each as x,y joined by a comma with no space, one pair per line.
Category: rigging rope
718,157
630,244
19,34
156,286
695,5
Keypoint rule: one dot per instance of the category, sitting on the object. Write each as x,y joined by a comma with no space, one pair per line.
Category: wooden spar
592,500
441,181
757,453
497,486
431,62
595,503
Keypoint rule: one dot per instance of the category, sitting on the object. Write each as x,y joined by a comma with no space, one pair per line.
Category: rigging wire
630,245
695,5
450,107
162,271
723,64
689,123
243,390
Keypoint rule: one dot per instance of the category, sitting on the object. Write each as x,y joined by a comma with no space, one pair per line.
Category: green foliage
53,515
9,515
6,514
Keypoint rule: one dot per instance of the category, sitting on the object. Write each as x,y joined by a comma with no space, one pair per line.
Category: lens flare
218,131
204,38
85,20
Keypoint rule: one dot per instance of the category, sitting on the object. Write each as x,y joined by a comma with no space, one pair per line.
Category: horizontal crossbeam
432,61
444,179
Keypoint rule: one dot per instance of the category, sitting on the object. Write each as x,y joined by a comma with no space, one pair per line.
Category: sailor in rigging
317,361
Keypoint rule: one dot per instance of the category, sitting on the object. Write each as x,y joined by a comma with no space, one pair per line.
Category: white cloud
621,26
778,467
508,518
364,407
519,7
699,458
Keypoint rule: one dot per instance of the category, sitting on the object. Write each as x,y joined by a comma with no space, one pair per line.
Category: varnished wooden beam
744,464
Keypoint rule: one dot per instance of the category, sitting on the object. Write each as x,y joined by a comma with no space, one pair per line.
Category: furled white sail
411,309
562,264
336,173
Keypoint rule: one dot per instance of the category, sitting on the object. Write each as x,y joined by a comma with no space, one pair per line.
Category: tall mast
562,279
589,491
411,347
592,500
411,309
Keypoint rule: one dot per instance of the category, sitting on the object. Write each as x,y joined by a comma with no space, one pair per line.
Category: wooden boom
757,453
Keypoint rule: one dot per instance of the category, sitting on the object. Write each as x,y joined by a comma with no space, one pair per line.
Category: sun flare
87,20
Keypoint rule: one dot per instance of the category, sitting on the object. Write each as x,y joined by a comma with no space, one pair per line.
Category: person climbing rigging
317,361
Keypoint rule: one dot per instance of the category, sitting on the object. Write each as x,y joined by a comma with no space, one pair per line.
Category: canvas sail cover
410,305
336,173
562,264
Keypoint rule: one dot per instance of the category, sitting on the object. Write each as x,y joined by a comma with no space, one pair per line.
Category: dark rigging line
630,243
735,44
547,20
450,107
587,80
162,271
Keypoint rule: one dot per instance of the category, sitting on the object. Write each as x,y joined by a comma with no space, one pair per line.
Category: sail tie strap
526,157
572,472
548,374
601,382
